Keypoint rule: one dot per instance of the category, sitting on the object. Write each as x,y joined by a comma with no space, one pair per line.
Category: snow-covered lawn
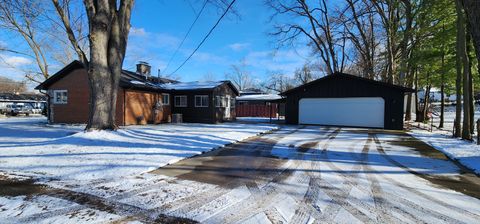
465,152
28,146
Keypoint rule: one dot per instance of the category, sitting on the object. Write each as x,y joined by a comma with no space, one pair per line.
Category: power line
186,35
205,38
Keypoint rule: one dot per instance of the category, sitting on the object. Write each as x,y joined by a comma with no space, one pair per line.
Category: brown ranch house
142,98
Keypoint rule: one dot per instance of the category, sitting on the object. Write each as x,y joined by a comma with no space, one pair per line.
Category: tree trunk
442,103
466,131
101,78
108,33
472,9
462,77
442,87
404,43
471,100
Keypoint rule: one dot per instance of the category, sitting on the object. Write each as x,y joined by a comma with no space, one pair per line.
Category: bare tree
22,17
304,75
388,12
109,25
209,76
239,76
359,20
279,82
10,86
315,23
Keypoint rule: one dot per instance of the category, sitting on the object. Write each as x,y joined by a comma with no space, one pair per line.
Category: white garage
353,111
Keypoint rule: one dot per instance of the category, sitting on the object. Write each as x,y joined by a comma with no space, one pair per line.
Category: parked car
16,109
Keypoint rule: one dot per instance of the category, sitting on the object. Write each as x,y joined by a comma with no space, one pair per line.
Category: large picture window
60,96
201,101
181,101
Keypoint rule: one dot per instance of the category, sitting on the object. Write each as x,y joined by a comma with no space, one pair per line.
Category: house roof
348,76
128,79
133,80
250,91
259,97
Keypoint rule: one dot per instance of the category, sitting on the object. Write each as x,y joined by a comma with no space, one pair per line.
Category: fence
256,110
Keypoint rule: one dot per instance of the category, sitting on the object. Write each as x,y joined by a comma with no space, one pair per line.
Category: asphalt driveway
327,174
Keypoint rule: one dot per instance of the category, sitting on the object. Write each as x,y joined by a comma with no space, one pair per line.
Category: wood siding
257,110
140,108
341,87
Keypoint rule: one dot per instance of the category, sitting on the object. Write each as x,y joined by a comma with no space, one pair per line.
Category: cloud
239,46
139,32
15,61
208,57
282,60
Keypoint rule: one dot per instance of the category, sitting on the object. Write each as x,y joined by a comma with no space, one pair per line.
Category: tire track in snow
261,198
393,202
382,152
340,197
383,215
197,201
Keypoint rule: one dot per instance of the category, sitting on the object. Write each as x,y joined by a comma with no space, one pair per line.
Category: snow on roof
260,97
137,82
191,85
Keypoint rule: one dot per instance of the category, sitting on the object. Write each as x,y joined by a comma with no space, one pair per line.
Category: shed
346,100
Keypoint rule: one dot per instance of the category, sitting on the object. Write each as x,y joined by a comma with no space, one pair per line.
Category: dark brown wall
342,87
210,114
191,113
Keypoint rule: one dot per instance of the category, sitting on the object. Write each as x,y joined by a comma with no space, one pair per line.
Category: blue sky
158,26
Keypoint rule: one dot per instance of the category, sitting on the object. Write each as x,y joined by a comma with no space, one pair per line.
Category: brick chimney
143,68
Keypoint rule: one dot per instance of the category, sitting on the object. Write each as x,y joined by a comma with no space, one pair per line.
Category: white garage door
355,112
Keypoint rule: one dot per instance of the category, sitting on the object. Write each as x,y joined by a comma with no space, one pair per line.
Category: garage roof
348,76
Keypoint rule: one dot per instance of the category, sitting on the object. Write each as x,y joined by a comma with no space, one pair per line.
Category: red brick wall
77,108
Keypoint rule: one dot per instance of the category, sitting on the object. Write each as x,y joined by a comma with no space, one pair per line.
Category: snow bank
466,153
29,146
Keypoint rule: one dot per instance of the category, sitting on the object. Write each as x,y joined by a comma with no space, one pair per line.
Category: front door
227,108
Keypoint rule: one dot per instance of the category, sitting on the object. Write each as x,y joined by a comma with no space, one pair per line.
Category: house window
60,96
181,101
232,102
218,101
201,101
166,99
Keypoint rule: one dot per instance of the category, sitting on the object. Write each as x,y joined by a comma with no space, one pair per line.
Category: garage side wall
342,87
